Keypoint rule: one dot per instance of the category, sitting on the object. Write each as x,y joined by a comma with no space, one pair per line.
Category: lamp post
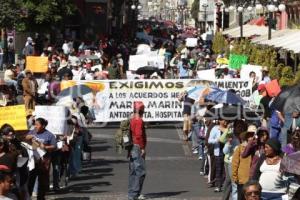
273,6
181,9
135,8
205,6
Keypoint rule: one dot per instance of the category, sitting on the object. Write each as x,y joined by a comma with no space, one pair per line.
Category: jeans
234,192
227,183
56,165
275,132
201,148
219,170
283,138
12,82
195,138
1,61
137,172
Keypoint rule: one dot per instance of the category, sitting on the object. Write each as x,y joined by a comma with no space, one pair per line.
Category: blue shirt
214,137
183,72
46,137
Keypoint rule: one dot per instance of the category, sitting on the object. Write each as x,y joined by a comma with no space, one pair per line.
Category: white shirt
8,75
78,74
66,48
271,179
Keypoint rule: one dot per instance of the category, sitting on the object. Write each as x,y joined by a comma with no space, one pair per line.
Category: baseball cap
138,105
261,87
251,129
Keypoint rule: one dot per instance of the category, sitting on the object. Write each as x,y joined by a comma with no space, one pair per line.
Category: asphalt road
172,170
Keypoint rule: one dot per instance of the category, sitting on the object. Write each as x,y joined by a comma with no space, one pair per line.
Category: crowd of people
240,157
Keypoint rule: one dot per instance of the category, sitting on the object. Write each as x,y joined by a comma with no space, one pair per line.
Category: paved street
172,171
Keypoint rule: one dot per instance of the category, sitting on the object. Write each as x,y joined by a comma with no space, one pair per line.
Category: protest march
241,123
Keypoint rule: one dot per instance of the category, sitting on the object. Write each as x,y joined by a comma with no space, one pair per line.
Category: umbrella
231,113
75,91
148,70
199,91
288,100
291,163
226,97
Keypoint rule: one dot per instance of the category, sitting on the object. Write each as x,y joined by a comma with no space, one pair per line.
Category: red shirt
138,132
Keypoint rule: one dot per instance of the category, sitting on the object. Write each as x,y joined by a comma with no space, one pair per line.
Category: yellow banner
37,64
14,116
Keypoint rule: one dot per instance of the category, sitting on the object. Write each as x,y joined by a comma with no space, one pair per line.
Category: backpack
123,137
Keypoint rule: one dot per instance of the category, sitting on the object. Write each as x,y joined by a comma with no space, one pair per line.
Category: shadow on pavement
164,194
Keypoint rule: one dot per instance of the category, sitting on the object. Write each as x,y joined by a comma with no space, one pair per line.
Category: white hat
63,63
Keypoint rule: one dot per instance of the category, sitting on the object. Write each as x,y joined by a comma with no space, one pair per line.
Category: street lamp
205,6
271,6
181,9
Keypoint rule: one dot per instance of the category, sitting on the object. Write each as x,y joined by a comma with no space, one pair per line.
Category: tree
195,10
42,15
220,45
9,17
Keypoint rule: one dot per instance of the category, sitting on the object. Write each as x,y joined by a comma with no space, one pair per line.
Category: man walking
29,90
137,170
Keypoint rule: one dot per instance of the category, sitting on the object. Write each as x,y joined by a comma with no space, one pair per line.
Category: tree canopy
34,15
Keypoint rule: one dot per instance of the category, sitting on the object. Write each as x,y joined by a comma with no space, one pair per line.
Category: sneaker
190,135
34,194
200,158
141,197
195,151
217,189
202,173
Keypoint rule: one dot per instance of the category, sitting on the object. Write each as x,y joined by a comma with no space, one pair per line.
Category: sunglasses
252,193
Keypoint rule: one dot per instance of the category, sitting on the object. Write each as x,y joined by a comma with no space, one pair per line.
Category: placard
246,69
208,74
56,116
37,64
14,116
236,61
137,61
191,42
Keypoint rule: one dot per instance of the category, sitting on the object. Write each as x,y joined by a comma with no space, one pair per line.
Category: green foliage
195,10
287,76
220,45
297,78
275,72
8,13
42,14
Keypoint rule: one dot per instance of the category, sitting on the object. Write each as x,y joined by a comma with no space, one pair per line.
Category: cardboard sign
246,69
37,64
14,116
191,42
56,117
208,74
236,61
137,61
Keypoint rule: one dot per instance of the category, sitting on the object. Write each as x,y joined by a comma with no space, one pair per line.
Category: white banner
137,61
112,100
191,42
242,87
56,117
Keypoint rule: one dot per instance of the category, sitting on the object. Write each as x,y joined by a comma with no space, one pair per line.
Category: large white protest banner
112,100
242,87
56,116
137,61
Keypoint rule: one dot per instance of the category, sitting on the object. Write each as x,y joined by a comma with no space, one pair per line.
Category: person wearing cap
29,85
265,75
268,172
137,170
241,165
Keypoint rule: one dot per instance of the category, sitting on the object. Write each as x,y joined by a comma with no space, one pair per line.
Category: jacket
240,165
27,87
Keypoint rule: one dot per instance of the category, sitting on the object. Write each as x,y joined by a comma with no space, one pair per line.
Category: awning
248,31
287,39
